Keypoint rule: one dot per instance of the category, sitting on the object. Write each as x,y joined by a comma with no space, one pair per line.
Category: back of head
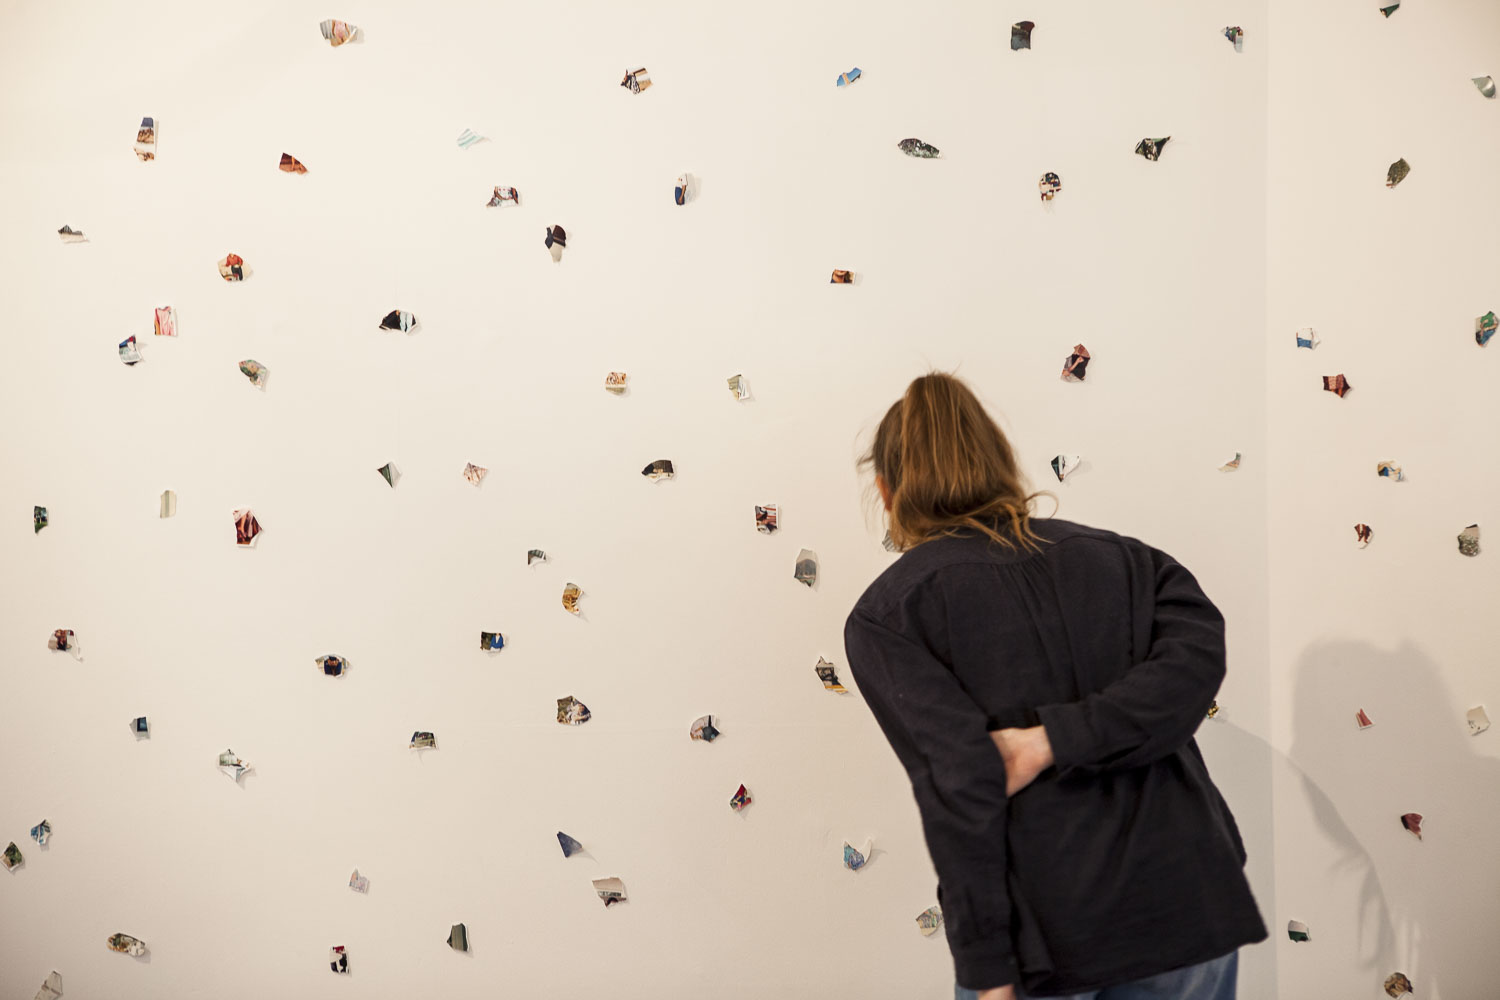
948,467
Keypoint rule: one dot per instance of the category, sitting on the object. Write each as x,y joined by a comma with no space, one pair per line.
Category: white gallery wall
1158,268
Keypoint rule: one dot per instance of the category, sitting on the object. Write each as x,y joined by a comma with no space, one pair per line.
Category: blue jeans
1210,981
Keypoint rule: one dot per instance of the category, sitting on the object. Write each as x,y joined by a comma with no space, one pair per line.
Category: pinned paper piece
70,235
855,858
41,832
806,570
1484,328
503,196
338,959
1296,930
423,741
458,938
1486,85
232,765
1397,173
168,506
51,989
491,642
740,799
140,727
1390,470
917,148
611,890
1236,35
703,729
572,712
615,382
256,372
739,388
38,519
475,473
1063,465
1468,540
659,470
1151,148
1396,984
1076,367
1388,11
1232,464
291,165
1478,719
1362,534
841,277
398,320
636,80
358,882
1362,719
1413,824
556,242
571,593
12,858
829,678
332,666
847,78
1307,338
338,32
467,138
887,542
1213,709
535,555
232,267
126,944
1049,185
246,527
1020,35
1336,384
64,641
766,518
145,140
929,920
129,353
166,322
569,846
389,473
682,190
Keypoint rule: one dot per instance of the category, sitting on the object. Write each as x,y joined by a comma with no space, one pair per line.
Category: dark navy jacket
1122,861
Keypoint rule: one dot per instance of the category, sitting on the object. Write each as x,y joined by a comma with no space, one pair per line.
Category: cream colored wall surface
1392,280
1159,268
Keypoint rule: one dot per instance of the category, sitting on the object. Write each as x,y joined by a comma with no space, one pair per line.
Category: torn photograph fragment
1468,541
491,642
847,78
740,799
1396,984
126,945
535,556
38,519
290,165
458,938
1362,719
503,196
331,665
1020,35
1412,823
636,80
397,319
1151,148
338,32
421,740
829,677
41,832
569,846
570,595
1236,36
766,518
1076,367
929,920
140,727
703,729
232,267
64,641
1391,471
610,889
469,137
1362,534
806,569
1049,185
1484,328
1065,465
738,387
1232,464
129,353
659,470
1478,720
1336,384
1307,338
70,235
841,277
12,858
1397,173
556,242
615,382
256,372
166,322
246,527
916,147
51,987
338,959
389,473
682,189
1297,930
145,140
232,765
856,858
572,712
1213,710
475,473
1390,9
887,543
358,882
168,507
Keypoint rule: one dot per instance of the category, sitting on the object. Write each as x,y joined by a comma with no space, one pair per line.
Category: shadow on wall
1429,908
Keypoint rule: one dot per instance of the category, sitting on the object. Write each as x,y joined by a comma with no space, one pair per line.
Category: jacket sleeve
1155,707
941,737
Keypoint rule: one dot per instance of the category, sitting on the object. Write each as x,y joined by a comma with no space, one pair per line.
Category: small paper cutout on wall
389,473
1396,984
358,882
611,890
331,665
636,80
1020,35
1236,35
38,519
929,920
847,78
1307,338
1362,719
166,322
458,938
1486,85
703,729
887,543
290,165
829,677
1389,10
399,320
246,527
1413,824
572,712
12,858
740,799
856,858
64,641
841,277
1065,465
766,518
1397,173
659,470
1151,148
41,832
556,242
1363,533
916,147
232,765
569,846
1391,471
1478,720
1468,541
1232,464
615,382
535,555
256,372
1076,367
129,353
491,642
140,727
682,190
126,944
421,740
1213,709
1336,384
338,959
503,196
51,988
739,388
1484,328
232,267
474,473
1297,931
70,235
145,140
571,593
806,569
168,506
338,32
1049,186
469,137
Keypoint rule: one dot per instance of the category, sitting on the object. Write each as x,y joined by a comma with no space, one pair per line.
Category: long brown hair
949,467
